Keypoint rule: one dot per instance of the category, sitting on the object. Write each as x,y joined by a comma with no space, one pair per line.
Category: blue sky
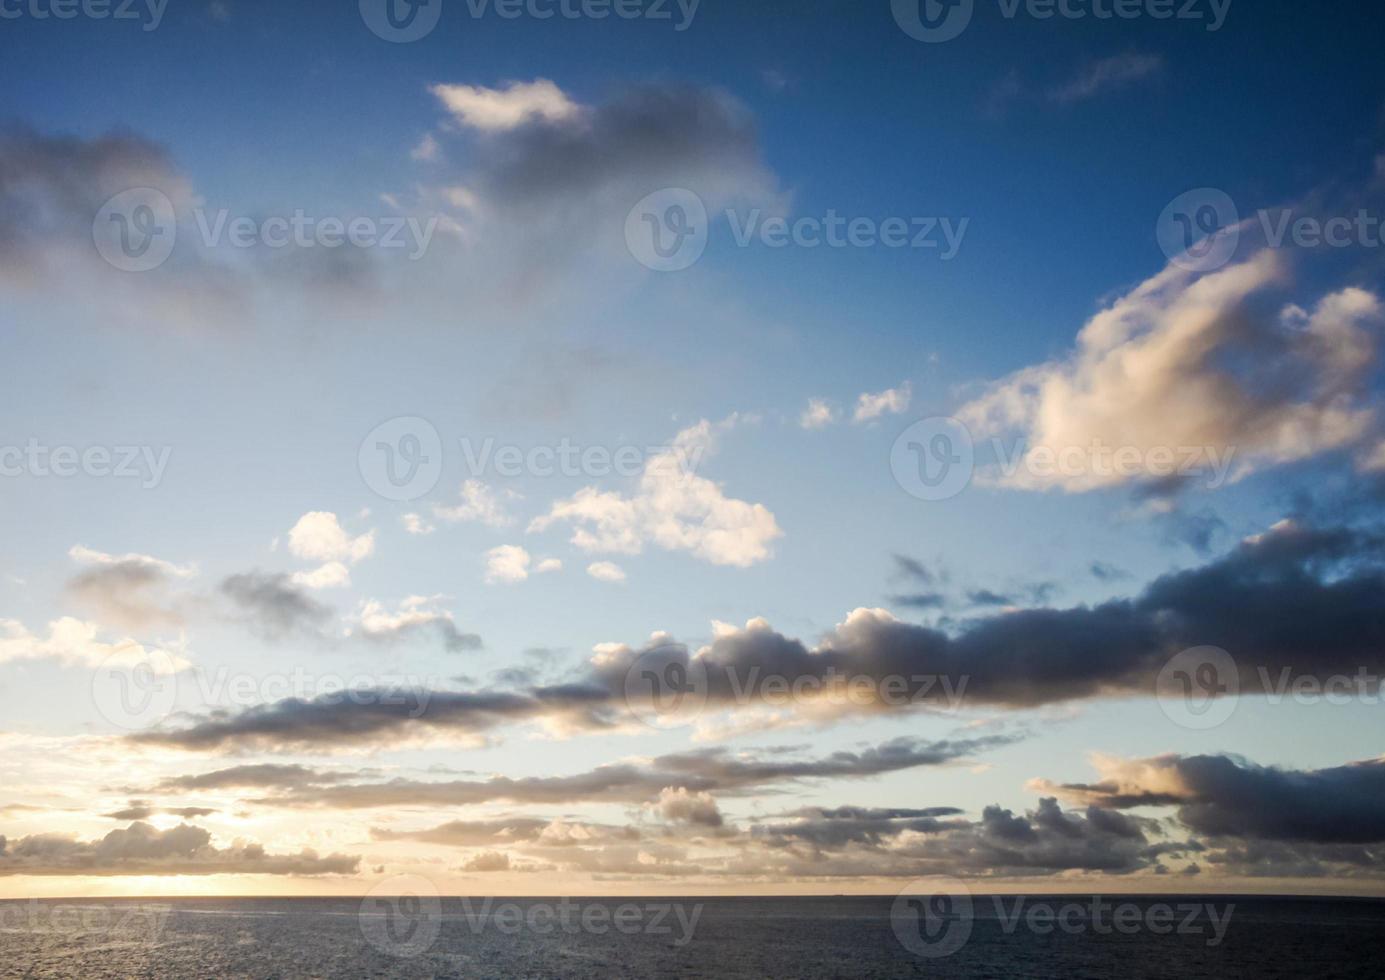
527,321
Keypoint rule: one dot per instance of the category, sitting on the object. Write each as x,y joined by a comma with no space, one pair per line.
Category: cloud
508,563
508,831
673,508
417,616
547,565
606,571
275,606
677,805
818,415
489,861
1296,598
53,189
140,849
891,401
479,503
415,524
319,536
127,591
1222,796
509,107
1043,841
1106,75
73,642
353,719
260,775
331,575
532,183
704,771
1183,362
143,811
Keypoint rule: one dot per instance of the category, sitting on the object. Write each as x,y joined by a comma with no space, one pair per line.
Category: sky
691,448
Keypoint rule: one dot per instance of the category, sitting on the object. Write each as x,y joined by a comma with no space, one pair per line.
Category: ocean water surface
1060,937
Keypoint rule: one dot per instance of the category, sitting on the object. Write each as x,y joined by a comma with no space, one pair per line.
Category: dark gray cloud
1221,796
705,771
140,849
273,607
363,716
260,775
138,810
1295,598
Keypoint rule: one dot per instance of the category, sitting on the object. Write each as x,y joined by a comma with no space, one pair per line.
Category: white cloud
891,401
1107,74
319,536
415,524
479,503
426,149
672,508
74,642
493,110
818,414
606,571
329,576
417,616
87,556
1181,362
507,563
548,565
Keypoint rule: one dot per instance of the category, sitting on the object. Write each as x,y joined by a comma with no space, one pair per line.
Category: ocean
1059,937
